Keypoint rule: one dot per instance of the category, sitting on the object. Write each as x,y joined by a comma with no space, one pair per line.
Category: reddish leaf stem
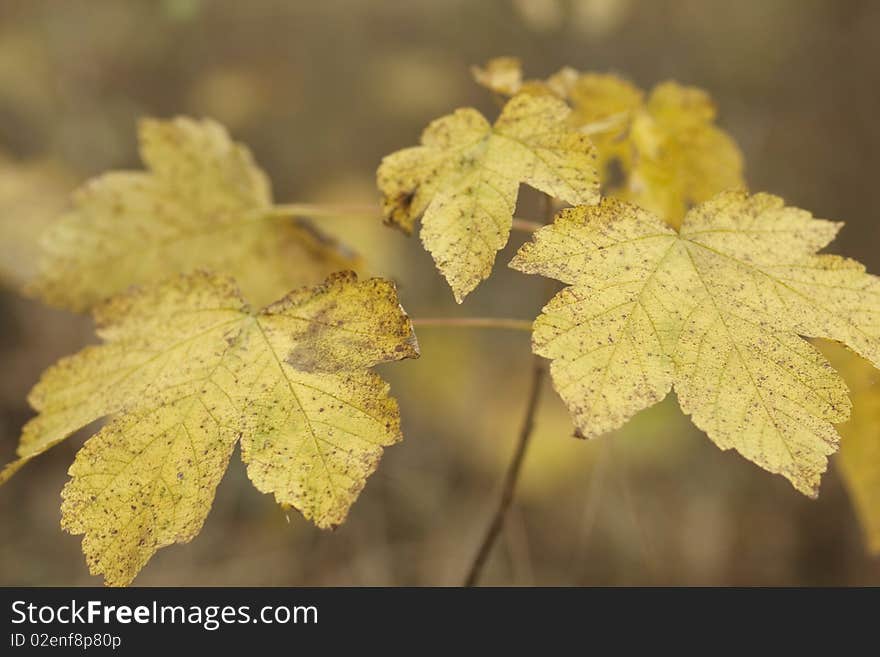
474,322
363,211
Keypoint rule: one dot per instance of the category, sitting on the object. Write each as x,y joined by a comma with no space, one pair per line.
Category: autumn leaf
603,106
714,311
464,180
680,157
185,370
31,195
666,153
502,75
202,203
859,458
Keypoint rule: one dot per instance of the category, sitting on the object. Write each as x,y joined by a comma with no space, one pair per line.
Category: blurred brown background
320,91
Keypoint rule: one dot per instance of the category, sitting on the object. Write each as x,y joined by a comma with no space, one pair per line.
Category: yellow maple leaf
502,75
203,203
603,106
465,178
859,458
714,311
680,158
185,370
665,154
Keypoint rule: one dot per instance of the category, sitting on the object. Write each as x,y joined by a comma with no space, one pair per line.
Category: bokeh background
321,91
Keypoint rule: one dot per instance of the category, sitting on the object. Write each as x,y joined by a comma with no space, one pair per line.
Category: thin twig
513,469
474,322
511,478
